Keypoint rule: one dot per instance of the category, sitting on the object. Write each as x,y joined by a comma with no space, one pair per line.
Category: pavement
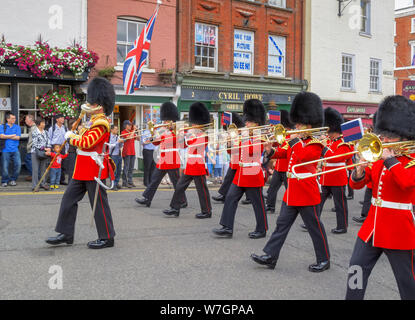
159,257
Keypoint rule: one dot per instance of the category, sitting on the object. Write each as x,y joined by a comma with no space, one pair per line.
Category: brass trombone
369,147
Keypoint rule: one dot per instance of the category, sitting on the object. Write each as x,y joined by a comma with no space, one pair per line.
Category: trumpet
370,149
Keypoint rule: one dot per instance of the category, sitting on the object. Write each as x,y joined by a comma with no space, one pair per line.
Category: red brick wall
228,15
102,34
403,50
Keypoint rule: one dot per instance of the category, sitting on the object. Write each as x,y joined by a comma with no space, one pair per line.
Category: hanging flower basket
59,102
42,60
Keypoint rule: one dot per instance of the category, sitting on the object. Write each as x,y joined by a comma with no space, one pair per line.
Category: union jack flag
137,56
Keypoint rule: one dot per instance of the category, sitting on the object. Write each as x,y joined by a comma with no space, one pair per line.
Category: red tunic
304,192
91,140
337,178
389,228
169,152
249,172
281,165
129,145
195,164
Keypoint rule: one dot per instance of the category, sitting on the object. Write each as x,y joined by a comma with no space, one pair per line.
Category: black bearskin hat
237,120
101,92
199,114
254,111
285,119
333,119
396,117
307,109
169,112
374,119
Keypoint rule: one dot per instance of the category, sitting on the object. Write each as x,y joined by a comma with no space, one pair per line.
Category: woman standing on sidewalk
39,163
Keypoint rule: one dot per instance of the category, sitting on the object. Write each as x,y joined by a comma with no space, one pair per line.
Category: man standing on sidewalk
11,133
128,154
56,135
30,122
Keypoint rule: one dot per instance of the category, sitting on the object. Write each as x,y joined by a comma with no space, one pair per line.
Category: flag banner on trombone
274,117
226,118
352,130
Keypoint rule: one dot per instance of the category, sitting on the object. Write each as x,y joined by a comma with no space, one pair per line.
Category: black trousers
367,202
278,178
363,260
156,179
350,191
64,166
69,207
202,192
315,228
149,166
233,196
227,182
71,159
340,204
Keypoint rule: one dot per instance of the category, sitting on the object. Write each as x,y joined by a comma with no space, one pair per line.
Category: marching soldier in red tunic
169,161
196,141
233,164
89,164
390,225
302,196
279,176
335,183
249,177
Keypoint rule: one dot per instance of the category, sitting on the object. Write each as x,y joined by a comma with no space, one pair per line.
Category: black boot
265,260
101,243
171,212
204,215
270,210
223,232
219,198
144,201
257,234
319,267
60,238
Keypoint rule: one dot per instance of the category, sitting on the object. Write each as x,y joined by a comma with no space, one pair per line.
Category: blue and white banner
276,56
243,52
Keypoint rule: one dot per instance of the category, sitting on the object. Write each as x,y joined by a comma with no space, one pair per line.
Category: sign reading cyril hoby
408,89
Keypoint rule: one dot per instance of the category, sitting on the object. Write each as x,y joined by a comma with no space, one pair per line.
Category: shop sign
234,96
408,89
5,104
232,107
355,109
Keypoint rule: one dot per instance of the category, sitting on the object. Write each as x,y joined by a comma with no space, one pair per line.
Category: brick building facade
229,51
405,51
113,26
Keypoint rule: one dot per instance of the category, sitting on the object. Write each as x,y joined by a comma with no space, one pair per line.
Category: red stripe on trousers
103,212
321,232
263,210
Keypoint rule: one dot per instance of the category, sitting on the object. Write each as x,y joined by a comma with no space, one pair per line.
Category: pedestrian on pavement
116,144
148,156
30,122
128,154
56,168
56,134
39,159
10,153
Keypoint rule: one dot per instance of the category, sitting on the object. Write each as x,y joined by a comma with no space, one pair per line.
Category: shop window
276,56
206,46
29,95
243,52
348,72
127,32
5,102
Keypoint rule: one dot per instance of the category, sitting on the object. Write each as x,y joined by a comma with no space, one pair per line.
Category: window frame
379,89
274,74
252,62
412,25
368,17
353,73
196,67
284,3
35,110
135,21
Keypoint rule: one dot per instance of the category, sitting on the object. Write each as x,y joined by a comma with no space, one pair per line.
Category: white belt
299,175
194,156
94,156
391,205
249,164
168,150
334,164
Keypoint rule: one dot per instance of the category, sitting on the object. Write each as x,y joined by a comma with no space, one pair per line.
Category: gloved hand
69,134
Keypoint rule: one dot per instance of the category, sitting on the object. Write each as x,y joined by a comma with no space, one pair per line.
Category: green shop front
229,96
